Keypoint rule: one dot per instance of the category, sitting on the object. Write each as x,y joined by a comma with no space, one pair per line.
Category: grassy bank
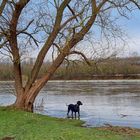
28,126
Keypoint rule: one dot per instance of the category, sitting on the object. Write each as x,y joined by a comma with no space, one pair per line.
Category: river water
114,102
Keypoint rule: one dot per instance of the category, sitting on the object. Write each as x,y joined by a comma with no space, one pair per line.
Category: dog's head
79,103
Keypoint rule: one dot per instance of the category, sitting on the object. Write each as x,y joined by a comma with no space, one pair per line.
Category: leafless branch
2,44
23,30
73,13
2,6
57,46
136,3
84,56
70,19
31,36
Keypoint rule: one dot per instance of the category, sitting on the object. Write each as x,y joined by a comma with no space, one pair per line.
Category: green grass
28,126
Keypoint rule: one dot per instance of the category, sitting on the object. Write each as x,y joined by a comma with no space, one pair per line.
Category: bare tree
57,24
2,6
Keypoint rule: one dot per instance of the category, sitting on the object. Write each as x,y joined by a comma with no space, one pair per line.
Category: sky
132,28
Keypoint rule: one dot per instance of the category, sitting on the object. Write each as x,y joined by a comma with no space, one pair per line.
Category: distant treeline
114,68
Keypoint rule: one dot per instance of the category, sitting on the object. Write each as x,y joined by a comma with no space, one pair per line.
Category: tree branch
2,6
80,53
136,3
47,45
73,13
31,36
14,45
57,47
73,17
25,27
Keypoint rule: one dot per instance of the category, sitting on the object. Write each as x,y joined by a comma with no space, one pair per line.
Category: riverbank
21,125
93,77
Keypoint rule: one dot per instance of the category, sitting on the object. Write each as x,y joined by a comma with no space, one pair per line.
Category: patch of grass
22,125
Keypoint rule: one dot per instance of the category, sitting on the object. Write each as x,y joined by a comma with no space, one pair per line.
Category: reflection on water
104,101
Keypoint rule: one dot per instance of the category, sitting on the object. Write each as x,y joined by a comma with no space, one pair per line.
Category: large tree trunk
20,101
24,102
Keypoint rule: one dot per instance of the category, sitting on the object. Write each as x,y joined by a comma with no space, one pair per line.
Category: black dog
74,108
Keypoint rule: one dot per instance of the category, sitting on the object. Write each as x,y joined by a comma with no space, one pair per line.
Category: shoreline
94,77
83,80
35,126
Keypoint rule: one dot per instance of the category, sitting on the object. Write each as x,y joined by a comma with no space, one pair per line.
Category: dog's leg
72,114
68,112
78,114
75,115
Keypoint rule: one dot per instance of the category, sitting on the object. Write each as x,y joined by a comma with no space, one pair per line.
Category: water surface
115,102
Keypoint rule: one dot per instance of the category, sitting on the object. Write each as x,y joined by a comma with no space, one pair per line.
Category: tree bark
12,38
2,6
25,102
20,101
32,91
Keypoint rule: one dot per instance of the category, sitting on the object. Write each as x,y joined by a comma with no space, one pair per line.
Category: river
114,102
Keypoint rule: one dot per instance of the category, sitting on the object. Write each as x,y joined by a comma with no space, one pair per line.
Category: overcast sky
132,28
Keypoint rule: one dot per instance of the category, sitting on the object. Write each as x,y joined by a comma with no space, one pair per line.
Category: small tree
57,25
